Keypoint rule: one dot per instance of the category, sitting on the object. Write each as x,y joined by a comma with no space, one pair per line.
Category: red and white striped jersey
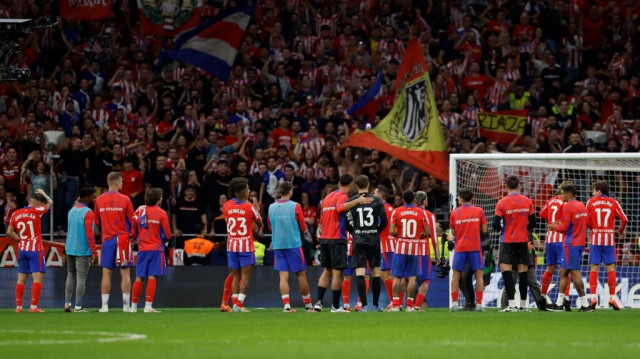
314,145
349,244
189,123
178,72
512,75
332,22
101,116
574,55
472,114
26,222
387,241
619,68
552,212
383,45
425,248
308,42
410,222
499,91
129,89
450,120
315,75
239,216
603,211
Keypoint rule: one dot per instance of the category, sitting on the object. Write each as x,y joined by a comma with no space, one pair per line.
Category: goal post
540,174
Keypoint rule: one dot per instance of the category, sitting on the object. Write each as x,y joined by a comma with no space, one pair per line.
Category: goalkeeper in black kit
365,222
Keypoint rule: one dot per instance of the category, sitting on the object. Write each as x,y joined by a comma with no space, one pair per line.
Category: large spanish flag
502,126
411,131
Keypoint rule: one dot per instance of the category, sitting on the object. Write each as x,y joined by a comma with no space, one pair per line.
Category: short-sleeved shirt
410,221
27,224
467,221
552,212
387,241
151,227
239,216
574,223
603,211
113,214
332,216
515,209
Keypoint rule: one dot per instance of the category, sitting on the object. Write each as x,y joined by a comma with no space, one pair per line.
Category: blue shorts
108,254
602,254
475,260
150,263
289,260
571,257
237,260
349,270
553,253
352,271
404,265
424,268
387,260
31,262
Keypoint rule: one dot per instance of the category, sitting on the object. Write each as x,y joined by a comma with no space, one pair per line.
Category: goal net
540,175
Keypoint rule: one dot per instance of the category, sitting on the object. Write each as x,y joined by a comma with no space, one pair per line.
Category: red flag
411,132
87,10
168,18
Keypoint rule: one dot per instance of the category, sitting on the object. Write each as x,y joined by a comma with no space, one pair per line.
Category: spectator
132,182
188,211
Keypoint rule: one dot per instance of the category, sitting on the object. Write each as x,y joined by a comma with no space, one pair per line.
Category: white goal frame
530,160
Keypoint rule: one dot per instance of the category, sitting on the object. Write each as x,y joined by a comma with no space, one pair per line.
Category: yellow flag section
502,127
411,131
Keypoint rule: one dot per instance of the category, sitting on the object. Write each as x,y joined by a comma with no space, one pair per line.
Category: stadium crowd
571,65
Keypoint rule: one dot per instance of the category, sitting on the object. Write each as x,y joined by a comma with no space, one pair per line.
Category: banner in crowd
86,10
411,131
213,45
53,253
503,126
168,17
369,104
537,183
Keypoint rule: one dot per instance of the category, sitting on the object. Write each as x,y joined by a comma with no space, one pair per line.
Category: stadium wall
190,287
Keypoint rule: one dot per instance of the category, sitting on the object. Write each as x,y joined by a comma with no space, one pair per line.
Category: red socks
346,291
454,296
227,290
409,302
419,299
234,299
593,282
396,302
388,284
479,297
566,291
151,290
612,282
366,285
36,289
136,290
286,300
401,297
546,281
19,294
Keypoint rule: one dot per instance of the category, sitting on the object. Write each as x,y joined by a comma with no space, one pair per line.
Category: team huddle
359,234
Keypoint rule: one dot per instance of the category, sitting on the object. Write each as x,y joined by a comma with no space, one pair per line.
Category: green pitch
207,333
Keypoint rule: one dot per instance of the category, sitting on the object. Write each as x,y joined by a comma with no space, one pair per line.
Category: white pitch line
111,337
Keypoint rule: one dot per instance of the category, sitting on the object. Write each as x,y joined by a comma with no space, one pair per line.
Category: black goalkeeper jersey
366,221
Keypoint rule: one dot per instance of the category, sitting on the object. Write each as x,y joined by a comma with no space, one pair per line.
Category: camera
444,268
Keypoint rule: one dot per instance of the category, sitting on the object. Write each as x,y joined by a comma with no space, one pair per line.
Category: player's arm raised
49,201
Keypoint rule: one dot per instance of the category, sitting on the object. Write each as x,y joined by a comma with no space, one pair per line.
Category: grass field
207,333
